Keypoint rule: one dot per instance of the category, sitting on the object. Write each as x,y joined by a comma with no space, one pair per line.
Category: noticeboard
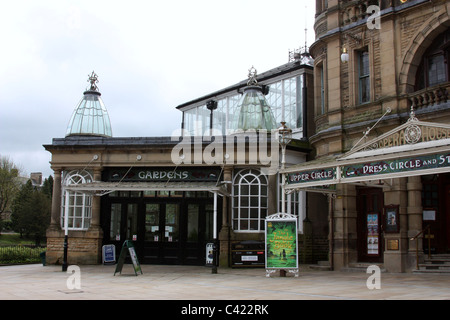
128,247
281,243
109,254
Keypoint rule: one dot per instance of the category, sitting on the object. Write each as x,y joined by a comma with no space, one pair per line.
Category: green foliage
31,212
20,254
9,182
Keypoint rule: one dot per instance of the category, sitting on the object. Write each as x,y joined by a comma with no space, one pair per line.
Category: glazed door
369,224
162,233
123,224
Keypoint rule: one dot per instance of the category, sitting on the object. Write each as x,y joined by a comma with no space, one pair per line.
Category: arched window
249,200
80,204
434,68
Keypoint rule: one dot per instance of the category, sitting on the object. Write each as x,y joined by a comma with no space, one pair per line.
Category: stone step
321,266
437,263
362,267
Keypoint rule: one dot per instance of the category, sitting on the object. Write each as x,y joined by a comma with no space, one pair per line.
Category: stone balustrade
429,96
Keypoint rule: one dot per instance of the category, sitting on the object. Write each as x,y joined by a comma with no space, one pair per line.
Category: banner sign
406,165
162,174
317,175
370,170
281,242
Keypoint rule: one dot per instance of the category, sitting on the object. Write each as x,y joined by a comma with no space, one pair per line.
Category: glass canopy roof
90,117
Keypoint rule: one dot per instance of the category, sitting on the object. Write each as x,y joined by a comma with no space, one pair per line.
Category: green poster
281,244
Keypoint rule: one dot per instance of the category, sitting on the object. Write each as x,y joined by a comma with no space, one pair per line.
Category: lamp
284,138
284,135
344,55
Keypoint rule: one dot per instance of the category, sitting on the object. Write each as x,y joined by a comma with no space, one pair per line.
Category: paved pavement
36,282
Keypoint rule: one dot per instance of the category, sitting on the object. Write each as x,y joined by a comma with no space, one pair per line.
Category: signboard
128,247
281,243
159,174
370,170
109,254
316,175
209,254
406,165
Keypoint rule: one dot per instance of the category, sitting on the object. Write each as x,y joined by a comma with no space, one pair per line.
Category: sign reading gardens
374,170
158,174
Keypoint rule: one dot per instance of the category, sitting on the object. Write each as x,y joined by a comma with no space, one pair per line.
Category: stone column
414,210
95,221
94,234
55,221
344,224
395,258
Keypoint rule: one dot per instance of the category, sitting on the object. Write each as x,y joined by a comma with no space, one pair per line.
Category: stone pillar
55,221
95,221
345,232
395,258
94,235
414,211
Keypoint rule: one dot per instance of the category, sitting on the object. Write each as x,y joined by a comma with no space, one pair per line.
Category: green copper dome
90,117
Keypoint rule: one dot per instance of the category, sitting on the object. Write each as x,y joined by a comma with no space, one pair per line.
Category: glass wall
284,97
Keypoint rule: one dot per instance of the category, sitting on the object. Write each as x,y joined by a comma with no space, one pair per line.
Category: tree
9,182
31,212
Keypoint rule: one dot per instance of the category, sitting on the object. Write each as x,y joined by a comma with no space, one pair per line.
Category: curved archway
418,45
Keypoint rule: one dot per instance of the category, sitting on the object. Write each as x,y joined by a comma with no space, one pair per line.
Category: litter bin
42,254
250,254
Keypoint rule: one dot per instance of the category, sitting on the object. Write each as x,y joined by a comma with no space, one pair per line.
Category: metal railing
417,243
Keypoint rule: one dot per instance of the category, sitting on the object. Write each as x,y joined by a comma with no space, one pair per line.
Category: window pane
114,229
436,70
152,222
171,233
192,232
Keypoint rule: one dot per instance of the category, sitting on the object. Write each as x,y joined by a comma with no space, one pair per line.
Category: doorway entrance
369,224
166,228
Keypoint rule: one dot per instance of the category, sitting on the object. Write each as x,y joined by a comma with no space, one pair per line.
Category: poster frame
281,218
392,224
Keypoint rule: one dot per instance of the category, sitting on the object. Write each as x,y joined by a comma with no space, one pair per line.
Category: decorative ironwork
93,79
413,133
252,73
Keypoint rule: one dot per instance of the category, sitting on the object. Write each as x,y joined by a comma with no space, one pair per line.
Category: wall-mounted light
344,55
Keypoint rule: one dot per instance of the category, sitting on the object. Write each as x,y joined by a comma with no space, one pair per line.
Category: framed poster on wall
392,223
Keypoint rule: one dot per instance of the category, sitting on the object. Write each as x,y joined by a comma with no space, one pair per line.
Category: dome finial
252,74
93,79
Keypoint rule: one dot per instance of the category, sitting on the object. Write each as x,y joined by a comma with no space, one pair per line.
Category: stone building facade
377,65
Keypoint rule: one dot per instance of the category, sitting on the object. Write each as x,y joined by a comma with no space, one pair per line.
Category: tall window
249,200
322,90
79,204
434,68
364,76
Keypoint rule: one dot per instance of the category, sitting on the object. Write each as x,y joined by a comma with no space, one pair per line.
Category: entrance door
174,238
162,233
123,223
164,229
369,224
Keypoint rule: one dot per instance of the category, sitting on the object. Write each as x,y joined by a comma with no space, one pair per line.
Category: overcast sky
150,56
